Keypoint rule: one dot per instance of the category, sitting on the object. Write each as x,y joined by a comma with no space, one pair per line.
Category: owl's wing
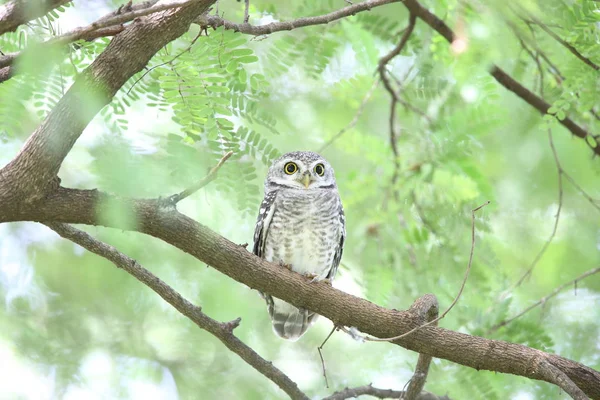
337,257
263,221
265,214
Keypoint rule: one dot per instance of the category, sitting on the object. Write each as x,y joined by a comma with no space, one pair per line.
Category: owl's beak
305,180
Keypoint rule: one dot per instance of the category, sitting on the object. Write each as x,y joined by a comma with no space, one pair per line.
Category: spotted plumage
300,223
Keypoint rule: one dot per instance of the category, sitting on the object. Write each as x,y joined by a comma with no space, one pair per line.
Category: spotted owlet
301,225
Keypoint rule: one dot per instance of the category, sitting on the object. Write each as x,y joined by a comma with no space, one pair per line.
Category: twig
544,299
246,11
595,203
357,115
319,349
166,62
393,53
412,19
556,218
568,46
421,213
222,331
462,286
212,174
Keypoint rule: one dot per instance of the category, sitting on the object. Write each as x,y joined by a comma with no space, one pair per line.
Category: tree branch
84,206
18,12
369,390
216,21
427,308
222,331
502,77
555,375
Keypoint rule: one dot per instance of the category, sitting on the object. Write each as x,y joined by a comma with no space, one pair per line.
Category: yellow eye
290,168
320,169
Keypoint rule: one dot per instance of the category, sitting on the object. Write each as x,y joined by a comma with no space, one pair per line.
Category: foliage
77,325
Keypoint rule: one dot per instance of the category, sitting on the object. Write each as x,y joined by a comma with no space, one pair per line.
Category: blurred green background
73,326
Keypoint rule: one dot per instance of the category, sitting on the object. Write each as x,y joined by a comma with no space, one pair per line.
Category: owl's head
303,170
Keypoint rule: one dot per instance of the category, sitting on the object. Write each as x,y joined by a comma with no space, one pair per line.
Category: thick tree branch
84,206
222,331
33,171
502,77
18,12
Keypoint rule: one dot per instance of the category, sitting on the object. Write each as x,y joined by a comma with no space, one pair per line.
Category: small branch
319,349
222,331
412,19
594,202
544,299
556,218
568,46
427,308
558,377
216,21
462,286
247,11
369,390
357,115
212,174
350,393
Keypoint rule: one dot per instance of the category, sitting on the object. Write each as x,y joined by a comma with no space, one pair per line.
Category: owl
300,225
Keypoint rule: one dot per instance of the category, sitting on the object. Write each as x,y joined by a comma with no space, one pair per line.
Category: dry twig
356,117
544,299
212,174
556,217
462,286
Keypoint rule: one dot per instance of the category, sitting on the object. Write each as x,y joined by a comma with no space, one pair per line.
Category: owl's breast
305,231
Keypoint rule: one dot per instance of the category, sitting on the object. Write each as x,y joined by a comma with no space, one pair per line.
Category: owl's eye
320,169
290,168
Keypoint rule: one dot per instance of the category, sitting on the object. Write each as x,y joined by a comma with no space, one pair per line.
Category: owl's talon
284,265
327,281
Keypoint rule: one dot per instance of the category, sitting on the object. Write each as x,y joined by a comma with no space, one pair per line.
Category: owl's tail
289,322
